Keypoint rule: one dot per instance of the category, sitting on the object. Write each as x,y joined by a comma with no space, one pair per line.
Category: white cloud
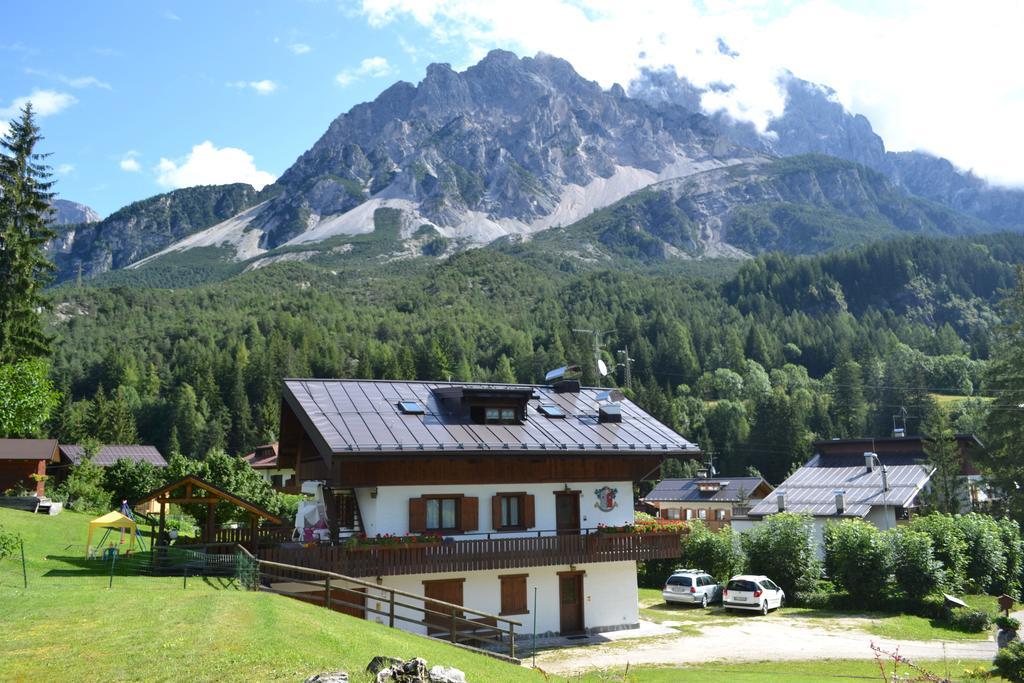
929,74
170,16
130,165
44,103
77,82
373,67
264,87
65,169
207,164
300,48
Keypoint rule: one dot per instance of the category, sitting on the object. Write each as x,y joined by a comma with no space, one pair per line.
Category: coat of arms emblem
606,498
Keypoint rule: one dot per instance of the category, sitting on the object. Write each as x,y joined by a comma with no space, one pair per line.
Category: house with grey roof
716,501
72,454
880,488
521,488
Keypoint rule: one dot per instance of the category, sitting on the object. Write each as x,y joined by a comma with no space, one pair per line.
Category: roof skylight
411,407
551,410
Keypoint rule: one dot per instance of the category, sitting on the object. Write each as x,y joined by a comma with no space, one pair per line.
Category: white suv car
691,586
752,592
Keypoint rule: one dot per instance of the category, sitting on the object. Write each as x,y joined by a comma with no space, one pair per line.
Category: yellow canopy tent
112,520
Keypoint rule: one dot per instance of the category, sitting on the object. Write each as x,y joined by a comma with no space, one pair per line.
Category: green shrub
716,552
948,544
858,558
986,555
1013,549
931,607
83,489
1007,623
915,569
8,543
969,620
782,549
1009,662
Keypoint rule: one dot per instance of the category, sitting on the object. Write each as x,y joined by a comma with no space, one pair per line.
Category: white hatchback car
758,593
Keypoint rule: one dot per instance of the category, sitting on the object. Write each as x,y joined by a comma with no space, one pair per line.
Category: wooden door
567,512
448,590
570,603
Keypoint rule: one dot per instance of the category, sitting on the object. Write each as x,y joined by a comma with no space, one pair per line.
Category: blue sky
138,98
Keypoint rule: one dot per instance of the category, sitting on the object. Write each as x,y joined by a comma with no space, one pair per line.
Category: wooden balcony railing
479,554
264,536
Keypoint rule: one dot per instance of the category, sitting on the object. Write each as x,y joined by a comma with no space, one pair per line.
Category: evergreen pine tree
24,230
848,405
946,488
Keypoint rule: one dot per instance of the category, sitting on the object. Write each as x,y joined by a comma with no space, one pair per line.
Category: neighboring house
518,479
20,459
841,483
72,454
264,461
714,501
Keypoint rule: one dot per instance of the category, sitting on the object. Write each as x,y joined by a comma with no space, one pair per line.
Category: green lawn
771,672
897,627
69,626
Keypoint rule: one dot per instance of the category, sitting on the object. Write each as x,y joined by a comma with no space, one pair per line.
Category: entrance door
567,512
570,602
448,590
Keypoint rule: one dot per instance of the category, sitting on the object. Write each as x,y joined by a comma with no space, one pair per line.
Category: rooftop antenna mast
600,368
627,365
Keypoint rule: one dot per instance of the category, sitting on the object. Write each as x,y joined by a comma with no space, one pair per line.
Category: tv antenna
627,365
599,365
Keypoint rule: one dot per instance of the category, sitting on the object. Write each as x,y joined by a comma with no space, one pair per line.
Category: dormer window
495,415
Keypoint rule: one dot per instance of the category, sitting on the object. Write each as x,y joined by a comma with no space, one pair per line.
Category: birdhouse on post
1006,603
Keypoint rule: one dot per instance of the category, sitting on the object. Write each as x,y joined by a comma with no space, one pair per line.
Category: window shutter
470,514
529,516
513,594
495,512
417,515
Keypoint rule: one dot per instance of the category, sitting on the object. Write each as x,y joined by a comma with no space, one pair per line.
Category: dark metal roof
27,449
264,457
812,489
346,416
688,490
109,455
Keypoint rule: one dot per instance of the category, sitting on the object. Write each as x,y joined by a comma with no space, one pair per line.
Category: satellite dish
602,368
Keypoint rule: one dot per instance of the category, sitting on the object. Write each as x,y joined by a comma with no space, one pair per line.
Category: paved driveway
754,639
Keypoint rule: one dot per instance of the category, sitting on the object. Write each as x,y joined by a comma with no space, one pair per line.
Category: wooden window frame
457,497
513,609
521,526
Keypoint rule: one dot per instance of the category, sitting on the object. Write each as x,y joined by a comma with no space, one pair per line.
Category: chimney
780,498
840,501
869,461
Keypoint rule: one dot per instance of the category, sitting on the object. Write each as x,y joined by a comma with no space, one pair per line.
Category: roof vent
840,501
611,412
869,461
780,498
567,386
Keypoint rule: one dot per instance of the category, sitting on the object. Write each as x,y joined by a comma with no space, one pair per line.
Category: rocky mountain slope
68,212
799,205
815,122
512,147
144,227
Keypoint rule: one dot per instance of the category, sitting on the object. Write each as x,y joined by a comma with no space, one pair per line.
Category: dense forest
753,365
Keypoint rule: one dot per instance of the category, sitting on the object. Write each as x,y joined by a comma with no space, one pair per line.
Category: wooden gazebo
191,490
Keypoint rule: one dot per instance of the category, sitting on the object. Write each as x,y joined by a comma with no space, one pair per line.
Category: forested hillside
787,350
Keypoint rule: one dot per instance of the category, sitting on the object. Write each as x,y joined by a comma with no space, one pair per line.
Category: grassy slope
69,626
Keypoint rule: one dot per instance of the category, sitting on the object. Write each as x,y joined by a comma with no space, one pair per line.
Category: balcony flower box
361,541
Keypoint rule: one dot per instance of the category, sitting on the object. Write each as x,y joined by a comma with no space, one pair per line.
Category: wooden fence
462,626
478,554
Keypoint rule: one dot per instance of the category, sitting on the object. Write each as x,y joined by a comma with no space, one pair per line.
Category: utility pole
627,364
596,334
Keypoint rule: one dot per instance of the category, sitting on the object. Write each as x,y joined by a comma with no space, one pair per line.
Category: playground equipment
121,521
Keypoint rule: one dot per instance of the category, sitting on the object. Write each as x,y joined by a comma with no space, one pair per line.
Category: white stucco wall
882,518
609,589
388,513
